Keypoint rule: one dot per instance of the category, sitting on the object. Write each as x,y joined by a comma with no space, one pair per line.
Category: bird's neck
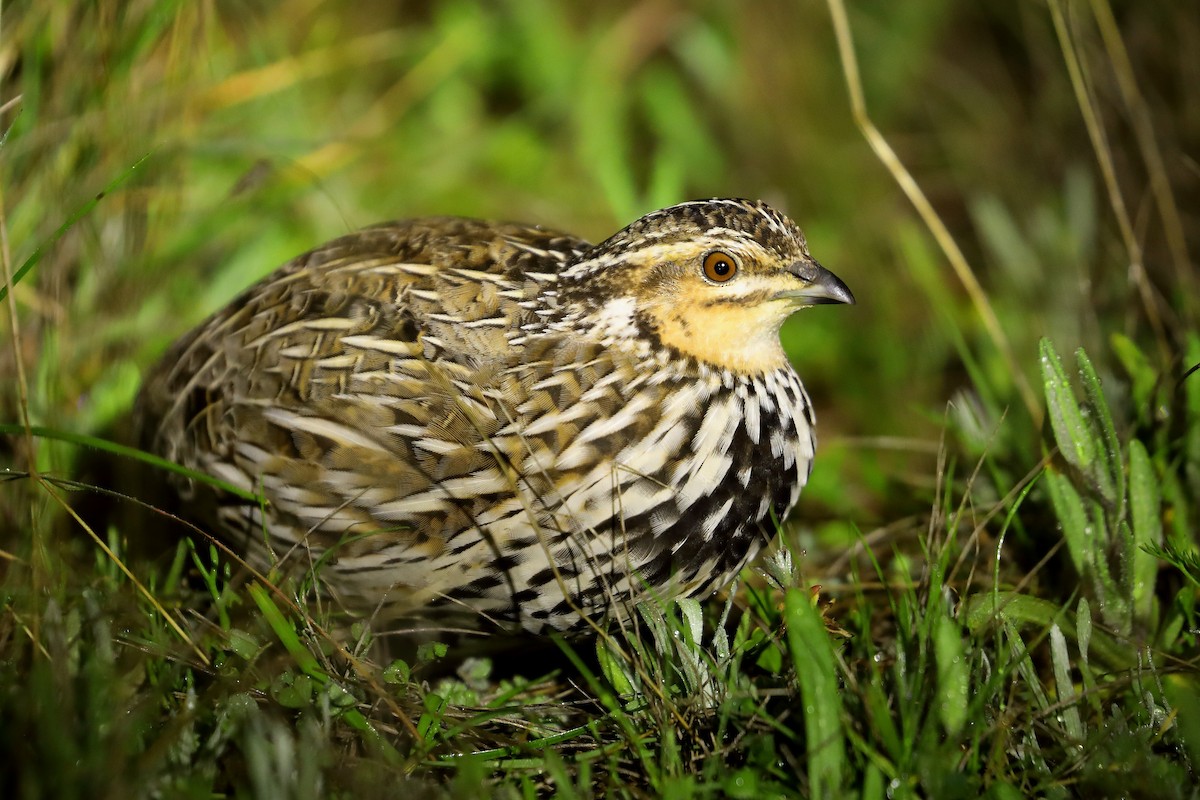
737,339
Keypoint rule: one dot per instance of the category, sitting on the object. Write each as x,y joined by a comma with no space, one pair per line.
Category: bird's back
357,375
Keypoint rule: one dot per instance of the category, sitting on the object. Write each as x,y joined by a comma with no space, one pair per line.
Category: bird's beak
821,286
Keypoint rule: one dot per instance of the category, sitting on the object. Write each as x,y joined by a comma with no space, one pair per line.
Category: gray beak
823,286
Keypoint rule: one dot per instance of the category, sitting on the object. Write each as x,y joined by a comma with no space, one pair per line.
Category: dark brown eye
719,266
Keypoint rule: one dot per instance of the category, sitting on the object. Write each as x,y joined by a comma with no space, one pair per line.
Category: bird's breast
677,476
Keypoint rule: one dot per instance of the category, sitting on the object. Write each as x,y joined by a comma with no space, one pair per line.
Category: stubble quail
503,424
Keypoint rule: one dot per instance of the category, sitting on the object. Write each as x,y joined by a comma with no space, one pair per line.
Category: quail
451,418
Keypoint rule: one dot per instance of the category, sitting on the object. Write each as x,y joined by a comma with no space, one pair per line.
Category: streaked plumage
503,420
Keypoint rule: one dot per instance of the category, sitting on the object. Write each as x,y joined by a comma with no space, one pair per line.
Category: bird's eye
719,267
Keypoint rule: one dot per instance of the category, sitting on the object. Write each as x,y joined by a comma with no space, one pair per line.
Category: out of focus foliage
1007,528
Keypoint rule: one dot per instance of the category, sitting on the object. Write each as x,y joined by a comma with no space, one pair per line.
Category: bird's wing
354,386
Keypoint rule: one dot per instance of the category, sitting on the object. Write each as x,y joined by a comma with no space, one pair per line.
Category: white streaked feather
708,470
380,345
651,454
608,426
716,428
714,518
347,361
750,417
423,503
320,426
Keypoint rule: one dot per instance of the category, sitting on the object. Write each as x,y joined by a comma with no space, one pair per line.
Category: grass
990,587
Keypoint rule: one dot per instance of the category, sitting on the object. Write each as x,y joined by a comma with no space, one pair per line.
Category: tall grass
991,585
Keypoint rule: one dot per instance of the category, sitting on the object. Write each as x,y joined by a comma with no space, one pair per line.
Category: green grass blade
287,634
13,429
77,215
816,671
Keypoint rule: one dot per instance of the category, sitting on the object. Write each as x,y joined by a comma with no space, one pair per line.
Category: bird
501,424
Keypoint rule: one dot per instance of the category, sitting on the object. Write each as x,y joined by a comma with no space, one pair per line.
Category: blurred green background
158,156
227,137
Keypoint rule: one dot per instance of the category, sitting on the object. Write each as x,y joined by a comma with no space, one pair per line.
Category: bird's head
711,279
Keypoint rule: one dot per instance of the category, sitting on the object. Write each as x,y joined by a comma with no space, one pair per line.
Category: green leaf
428,652
614,668
1109,476
816,672
429,723
1191,413
770,659
1076,527
881,719
293,691
652,614
397,672
984,609
1141,373
953,701
693,619
1183,693
1071,429
1083,624
244,644
1061,661
742,784
1184,557
1145,511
